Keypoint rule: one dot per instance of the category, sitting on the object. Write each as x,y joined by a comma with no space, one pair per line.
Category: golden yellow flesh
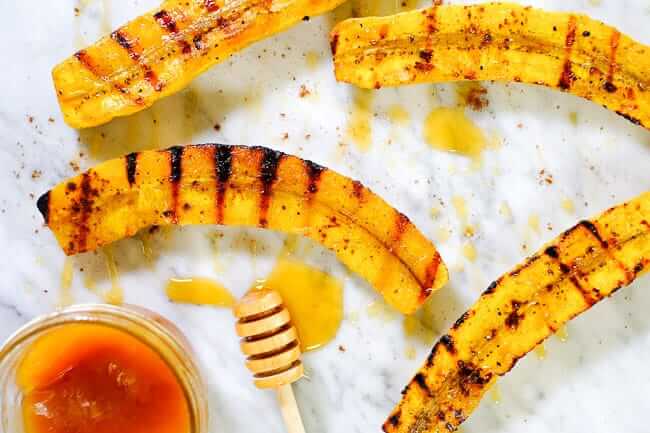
497,41
248,186
517,312
160,52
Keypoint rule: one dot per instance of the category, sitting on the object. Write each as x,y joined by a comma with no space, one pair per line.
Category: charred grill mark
448,341
43,205
630,118
568,77
314,172
357,190
131,162
223,171
591,227
135,53
430,276
268,174
123,40
461,320
420,380
334,43
211,5
166,21
491,288
400,225
175,174
470,376
84,208
87,62
553,252
432,18
613,47
394,418
514,318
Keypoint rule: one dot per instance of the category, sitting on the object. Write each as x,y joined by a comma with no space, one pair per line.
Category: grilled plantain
497,41
159,53
518,311
247,186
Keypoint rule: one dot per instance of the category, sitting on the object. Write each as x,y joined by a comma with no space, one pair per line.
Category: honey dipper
270,343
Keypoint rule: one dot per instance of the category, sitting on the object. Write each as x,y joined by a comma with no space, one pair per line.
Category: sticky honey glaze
199,291
450,130
314,300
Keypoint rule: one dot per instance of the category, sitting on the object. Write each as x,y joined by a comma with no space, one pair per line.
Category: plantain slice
502,42
518,311
160,52
248,186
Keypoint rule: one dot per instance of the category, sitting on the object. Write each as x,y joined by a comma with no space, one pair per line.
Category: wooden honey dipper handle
270,343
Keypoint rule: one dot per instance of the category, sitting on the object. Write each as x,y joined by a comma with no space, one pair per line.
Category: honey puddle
314,300
533,223
450,130
359,125
312,58
469,251
199,291
568,206
65,295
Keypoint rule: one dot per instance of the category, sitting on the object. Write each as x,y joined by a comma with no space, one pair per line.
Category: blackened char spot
175,174
491,288
223,171
393,420
268,174
469,376
637,268
43,205
166,21
568,77
628,117
513,319
552,252
357,190
422,383
594,231
461,320
314,172
447,341
426,55
131,167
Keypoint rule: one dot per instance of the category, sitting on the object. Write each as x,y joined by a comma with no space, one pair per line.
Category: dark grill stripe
166,21
553,253
175,174
131,162
43,205
135,53
567,77
85,59
268,174
430,276
223,170
613,47
314,172
591,228
400,225
85,207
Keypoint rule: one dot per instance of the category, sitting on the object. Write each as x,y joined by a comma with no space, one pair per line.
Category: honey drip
314,300
540,351
65,296
398,115
562,334
495,394
115,295
450,130
199,291
359,127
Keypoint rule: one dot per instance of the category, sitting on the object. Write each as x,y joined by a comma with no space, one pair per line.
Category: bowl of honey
100,369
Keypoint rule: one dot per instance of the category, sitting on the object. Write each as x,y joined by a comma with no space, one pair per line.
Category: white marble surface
597,381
